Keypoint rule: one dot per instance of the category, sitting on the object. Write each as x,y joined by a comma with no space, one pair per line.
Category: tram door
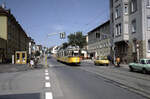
21,57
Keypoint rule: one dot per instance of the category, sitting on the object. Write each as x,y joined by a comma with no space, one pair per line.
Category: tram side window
23,55
18,56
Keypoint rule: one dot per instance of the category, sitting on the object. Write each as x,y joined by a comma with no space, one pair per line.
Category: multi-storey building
130,26
12,34
99,44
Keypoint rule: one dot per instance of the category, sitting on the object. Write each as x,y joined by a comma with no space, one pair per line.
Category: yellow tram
70,55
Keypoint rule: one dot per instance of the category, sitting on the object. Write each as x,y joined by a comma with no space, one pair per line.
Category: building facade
99,44
2,49
12,34
130,26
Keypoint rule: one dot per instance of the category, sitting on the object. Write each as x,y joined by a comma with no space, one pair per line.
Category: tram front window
76,54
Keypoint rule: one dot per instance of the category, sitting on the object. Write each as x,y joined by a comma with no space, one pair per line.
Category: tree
72,39
65,45
37,53
77,39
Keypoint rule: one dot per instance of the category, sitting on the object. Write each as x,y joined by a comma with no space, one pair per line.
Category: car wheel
131,68
144,71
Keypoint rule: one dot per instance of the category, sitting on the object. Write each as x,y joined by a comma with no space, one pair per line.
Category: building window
133,26
134,46
118,30
97,35
111,3
116,0
126,9
133,6
148,3
117,12
149,45
148,23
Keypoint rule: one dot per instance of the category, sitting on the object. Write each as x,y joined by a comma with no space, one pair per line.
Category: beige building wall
99,41
3,27
12,36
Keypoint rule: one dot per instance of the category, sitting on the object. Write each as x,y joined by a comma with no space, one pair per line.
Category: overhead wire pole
62,34
54,33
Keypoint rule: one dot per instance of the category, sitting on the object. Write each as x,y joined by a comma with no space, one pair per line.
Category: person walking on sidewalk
118,61
31,63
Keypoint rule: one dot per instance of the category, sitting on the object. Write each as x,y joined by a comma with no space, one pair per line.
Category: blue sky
42,17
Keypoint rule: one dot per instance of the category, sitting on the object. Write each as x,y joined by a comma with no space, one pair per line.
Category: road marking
46,77
48,95
47,84
51,65
46,71
46,74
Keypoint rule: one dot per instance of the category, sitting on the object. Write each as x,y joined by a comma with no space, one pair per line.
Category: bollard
46,61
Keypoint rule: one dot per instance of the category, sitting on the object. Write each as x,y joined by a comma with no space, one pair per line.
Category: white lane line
51,65
46,71
46,74
48,95
47,84
46,77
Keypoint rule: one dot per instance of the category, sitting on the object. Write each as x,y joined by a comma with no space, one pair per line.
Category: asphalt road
62,81
73,82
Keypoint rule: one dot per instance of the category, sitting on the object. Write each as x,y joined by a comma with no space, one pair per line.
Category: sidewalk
13,68
7,68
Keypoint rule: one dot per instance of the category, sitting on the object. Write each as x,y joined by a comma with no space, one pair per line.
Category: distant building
85,48
54,50
39,48
32,47
99,44
130,26
12,36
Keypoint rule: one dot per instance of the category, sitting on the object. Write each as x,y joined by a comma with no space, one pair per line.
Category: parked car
103,61
143,65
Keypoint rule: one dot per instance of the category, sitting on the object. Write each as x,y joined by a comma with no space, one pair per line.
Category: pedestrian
109,58
36,62
31,63
118,61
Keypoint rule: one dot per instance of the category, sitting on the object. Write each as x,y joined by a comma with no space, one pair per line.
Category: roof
7,12
101,25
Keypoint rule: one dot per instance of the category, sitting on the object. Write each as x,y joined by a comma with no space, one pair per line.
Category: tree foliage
77,39
65,45
37,53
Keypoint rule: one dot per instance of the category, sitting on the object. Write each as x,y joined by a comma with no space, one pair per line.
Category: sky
42,17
